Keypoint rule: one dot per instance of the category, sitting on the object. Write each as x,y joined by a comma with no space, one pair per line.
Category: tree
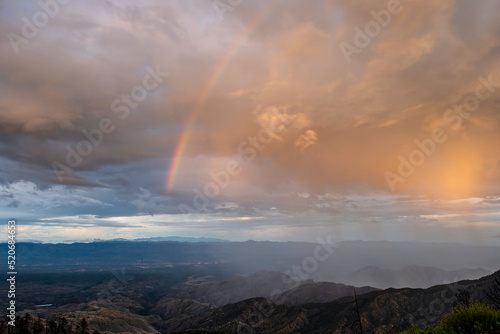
462,298
52,327
358,320
61,325
38,326
84,326
492,293
23,324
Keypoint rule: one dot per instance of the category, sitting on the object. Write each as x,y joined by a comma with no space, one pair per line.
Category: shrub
473,319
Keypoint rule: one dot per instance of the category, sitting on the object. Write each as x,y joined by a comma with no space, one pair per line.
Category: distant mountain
259,284
181,239
408,277
34,241
280,287
251,256
353,255
91,240
321,292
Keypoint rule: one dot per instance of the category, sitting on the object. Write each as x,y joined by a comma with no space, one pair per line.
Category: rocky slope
387,311
321,292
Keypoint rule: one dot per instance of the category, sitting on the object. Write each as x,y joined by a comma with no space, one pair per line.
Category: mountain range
145,304
171,286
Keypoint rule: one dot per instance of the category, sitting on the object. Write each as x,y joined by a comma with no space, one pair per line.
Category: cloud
26,194
344,124
393,93
307,139
73,180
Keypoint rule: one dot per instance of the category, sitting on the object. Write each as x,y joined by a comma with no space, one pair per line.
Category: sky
237,119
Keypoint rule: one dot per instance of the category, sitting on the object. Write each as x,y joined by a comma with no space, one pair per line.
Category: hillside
381,311
148,305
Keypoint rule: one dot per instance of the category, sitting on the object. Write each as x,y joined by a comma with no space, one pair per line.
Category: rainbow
219,70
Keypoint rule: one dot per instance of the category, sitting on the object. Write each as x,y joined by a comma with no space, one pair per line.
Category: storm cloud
96,95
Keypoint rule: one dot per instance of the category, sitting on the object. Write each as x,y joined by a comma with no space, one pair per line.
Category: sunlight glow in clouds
348,122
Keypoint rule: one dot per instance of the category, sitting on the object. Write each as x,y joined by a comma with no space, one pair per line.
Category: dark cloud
75,181
14,204
345,123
